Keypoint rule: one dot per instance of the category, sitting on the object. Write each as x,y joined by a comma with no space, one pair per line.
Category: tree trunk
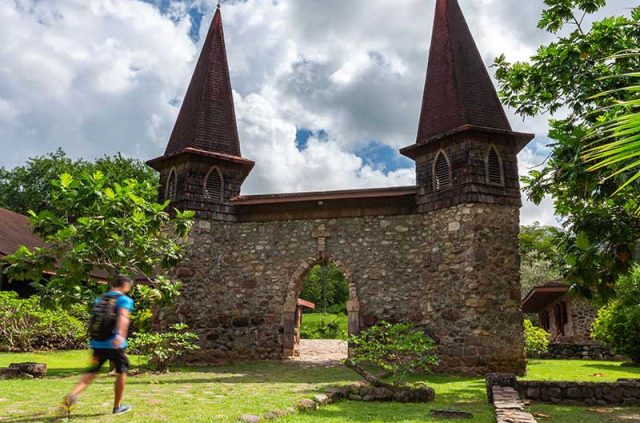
368,377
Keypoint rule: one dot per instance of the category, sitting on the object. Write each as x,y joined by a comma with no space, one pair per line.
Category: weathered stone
248,418
321,399
383,394
305,405
450,414
37,370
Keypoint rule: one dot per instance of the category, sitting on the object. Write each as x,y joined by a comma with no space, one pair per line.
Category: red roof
541,296
323,195
207,118
15,231
459,91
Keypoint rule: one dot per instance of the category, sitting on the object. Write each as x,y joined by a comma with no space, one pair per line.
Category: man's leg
121,380
98,359
85,381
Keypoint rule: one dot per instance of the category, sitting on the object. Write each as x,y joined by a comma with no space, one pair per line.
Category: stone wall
581,352
624,392
582,317
454,272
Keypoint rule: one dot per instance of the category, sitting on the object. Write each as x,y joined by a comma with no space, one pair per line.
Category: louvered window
494,170
442,173
213,186
172,184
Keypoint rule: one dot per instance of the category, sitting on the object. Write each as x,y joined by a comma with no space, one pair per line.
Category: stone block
248,418
321,399
305,405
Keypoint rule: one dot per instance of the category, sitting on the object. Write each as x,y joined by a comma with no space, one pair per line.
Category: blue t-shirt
122,302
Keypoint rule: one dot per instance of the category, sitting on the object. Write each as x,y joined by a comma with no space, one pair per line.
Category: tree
618,323
94,226
29,187
336,288
536,270
564,78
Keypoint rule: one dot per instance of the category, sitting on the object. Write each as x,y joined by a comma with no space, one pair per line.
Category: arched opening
441,172
213,185
494,167
321,312
172,185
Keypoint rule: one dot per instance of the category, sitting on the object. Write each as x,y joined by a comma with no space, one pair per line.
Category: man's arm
122,327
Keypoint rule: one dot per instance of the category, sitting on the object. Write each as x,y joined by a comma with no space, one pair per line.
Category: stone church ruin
442,254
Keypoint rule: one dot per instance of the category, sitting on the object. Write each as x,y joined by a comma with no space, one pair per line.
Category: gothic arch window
441,172
213,185
172,185
494,167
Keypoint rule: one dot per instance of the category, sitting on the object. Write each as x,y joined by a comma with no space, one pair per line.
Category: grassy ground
311,321
216,394
220,394
582,370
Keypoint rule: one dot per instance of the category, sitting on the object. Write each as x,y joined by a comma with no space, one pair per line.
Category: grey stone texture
454,272
509,407
625,392
581,352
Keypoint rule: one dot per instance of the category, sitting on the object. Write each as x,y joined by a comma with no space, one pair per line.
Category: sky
326,92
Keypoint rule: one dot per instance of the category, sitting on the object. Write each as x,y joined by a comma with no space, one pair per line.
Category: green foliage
618,323
102,226
162,349
328,326
567,75
536,270
541,239
29,187
537,339
26,326
337,288
397,348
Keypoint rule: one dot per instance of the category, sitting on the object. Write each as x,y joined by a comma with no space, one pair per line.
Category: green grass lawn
311,321
220,394
217,394
582,370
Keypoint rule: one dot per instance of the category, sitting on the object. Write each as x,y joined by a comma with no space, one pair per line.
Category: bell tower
465,151
202,168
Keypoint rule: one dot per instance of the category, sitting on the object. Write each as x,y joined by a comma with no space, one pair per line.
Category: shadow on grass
616,368
49,418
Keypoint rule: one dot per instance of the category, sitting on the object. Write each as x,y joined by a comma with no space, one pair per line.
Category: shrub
397,348
160,350
618,323
326,329
26,326
537,339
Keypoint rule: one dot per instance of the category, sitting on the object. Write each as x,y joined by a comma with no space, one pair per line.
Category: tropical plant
537,339
618,323
536,270
99,226
618,134
160,350
326,280
564,79
399,349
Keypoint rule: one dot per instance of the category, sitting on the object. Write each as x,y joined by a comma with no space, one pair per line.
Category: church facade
442,254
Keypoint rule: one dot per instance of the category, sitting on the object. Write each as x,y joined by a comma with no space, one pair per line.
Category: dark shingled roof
15,231
207,118
459,91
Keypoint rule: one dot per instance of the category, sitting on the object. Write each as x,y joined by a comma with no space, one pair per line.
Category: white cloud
102,76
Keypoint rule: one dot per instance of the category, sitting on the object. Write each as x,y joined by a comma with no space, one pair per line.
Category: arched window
441,172
213,185
494,167
172,185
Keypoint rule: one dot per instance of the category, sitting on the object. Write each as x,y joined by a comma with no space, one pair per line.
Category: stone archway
290,314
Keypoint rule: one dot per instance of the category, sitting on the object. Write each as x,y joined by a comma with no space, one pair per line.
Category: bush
160,350
537,339
26,326
618,323
397,348
325,329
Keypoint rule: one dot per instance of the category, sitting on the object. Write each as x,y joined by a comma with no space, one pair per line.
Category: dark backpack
104,317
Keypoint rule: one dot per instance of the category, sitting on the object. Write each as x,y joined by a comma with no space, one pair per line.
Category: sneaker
122,409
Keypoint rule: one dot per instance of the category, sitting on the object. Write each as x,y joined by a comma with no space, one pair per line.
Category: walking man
108,330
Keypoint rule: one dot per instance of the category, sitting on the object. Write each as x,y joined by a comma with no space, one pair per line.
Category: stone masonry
442,253
454,272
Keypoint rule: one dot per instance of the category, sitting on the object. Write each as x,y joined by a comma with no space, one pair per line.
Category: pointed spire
459,91
207,118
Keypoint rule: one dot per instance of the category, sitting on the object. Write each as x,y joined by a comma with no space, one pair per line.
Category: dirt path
321,352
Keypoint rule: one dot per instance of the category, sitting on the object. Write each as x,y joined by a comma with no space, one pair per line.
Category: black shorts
117,357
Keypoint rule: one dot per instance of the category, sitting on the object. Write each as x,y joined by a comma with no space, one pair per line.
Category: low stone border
625,392
350,392
23,371
580,352
509,407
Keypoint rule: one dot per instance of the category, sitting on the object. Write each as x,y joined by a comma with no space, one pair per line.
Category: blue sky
326,92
